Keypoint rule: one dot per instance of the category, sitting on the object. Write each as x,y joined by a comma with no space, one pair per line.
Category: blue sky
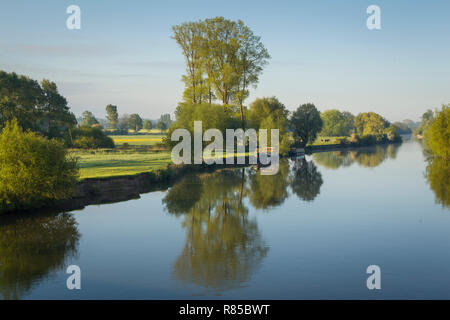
322,52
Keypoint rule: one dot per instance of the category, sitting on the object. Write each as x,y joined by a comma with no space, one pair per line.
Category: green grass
107,163
320,141
138,140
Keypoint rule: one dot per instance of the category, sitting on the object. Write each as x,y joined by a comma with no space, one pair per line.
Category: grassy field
117,162
107,163
138,140
322,141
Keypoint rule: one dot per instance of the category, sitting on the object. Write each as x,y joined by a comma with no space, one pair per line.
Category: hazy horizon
321,52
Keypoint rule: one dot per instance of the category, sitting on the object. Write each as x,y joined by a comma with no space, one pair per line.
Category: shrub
34,170
367,140
89,138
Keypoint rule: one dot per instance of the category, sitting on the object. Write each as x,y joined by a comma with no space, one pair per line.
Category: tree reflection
307,180
265,191
366,157
333,159
438,176
223,246
32,247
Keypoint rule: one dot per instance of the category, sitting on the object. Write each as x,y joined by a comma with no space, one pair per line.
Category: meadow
140,155
103,163
138,140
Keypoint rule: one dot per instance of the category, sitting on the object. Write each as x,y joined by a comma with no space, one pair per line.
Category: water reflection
438,176
223,245
366,157
266,191
307,180
31,247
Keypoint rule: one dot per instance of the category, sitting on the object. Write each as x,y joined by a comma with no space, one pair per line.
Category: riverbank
111,189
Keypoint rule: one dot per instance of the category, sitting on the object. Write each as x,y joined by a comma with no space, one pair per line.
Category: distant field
138,140
107,163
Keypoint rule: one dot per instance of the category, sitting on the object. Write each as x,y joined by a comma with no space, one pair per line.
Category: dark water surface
308,232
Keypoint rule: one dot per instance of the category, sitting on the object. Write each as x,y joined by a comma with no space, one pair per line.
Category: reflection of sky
320,249
321,52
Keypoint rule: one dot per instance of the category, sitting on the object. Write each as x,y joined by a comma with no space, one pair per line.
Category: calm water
308,232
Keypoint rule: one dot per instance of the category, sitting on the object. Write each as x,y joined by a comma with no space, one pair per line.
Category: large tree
223,59
38,107
306,123
112,116
370,123
270,113
147,125
88,119
337,123
135,122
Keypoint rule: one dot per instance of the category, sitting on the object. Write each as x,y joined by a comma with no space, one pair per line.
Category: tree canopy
112,116
306,123
370,123
38,107
270,113
437,135
223,60
337,123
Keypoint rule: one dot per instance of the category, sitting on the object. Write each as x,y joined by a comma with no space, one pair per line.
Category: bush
367,140
89,138
34,170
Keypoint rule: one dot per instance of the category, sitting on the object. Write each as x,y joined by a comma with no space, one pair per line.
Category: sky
321,52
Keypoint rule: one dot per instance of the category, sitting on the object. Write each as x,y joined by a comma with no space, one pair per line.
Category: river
308,232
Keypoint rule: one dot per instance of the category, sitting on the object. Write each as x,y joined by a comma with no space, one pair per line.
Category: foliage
88,119
437,135
370,123
306,123
211,115
270,113
223,59
337,123
426,120
38,107
88,138
402,127
135,122
34,170
147,125
161,125
112,116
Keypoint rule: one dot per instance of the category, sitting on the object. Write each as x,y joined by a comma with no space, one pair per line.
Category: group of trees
36,106
434,128
436,131
298,128
125,122
223,60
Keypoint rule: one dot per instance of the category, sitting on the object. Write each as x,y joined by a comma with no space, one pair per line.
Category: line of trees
121,125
